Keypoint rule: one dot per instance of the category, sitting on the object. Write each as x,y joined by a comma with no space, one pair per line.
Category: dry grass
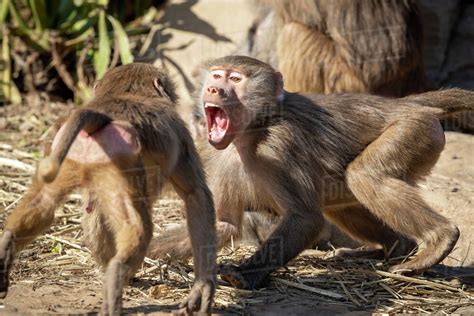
314,278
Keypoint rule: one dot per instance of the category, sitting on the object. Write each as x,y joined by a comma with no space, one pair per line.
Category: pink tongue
221,119
219,126
217,134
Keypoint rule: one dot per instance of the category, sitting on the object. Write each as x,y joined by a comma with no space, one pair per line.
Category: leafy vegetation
60,46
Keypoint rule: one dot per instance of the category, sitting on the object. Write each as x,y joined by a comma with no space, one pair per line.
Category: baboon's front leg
189,182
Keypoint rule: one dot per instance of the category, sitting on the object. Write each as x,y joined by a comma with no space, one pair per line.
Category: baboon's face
223,101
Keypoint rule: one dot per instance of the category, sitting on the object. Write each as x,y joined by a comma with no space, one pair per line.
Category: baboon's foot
432,254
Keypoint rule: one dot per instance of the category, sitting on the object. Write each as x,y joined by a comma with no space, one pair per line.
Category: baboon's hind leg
383,179
363,226
33,215
127,214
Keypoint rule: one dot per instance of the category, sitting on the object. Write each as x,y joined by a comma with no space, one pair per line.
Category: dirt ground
56,274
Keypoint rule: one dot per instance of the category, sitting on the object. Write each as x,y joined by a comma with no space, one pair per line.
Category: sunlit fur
120,192
372,149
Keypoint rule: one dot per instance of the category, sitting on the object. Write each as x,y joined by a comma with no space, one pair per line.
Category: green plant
80,39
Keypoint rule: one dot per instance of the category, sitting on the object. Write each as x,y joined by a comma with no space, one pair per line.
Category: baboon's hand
243,276
7,251
234,275
199,301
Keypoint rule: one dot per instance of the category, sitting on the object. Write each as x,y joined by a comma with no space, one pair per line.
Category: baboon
120,150
288,151
342,46
320,46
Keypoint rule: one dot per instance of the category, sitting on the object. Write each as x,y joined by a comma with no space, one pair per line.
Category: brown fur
293,154
323,46
139,98
257,226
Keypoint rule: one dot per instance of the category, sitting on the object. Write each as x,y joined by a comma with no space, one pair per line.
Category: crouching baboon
324,46
272,149
120,150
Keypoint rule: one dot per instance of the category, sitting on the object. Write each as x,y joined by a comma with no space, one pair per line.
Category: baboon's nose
213,90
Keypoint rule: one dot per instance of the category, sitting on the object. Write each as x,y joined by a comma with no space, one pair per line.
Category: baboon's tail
85,119
173,243
448,101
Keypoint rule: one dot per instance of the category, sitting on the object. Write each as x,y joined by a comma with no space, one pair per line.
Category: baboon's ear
160,89
279,86
94,87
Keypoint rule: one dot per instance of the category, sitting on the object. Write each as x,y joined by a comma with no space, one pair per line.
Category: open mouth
217,122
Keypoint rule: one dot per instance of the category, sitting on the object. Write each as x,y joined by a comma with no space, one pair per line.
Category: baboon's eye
217,74
235,77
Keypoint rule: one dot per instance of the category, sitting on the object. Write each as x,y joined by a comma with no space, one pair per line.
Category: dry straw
313,279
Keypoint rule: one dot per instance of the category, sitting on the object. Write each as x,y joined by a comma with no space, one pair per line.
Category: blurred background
55,49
